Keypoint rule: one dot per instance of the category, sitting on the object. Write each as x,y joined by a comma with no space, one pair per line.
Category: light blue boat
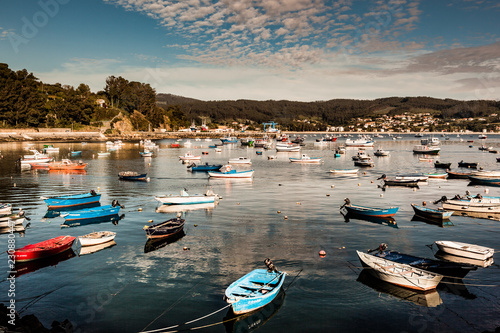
254,290
76,153
71,200
92,213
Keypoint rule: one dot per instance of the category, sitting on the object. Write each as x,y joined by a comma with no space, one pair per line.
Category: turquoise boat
71,200
92,213
254,290
76,153
369,211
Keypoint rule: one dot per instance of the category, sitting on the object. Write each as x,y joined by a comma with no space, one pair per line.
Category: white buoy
486,190
333,186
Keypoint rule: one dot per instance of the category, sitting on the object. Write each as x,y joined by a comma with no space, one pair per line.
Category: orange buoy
322,253
424,203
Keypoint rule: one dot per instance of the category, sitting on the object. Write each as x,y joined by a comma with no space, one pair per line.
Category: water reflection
450,257
95,248
253,320
439,223
31,266
17,229
154,244
428,299
388,221
479,215
110,218
184,208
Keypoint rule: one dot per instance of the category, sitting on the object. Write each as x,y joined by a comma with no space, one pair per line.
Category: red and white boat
44,249
189,157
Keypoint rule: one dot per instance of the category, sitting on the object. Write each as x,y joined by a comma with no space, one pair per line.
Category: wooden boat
471,251
452,258
92,213
472,165
435,214
458,175
66,164
204,167
96,237
254,290
189,157
71,200
345,171
442,165
285,147
387,221
423,149
5,208
240,160
133,176
381,152
9,220
305,159
186,199
469,201
44,249
399,274
437,175
165,229
95,248
412,176
369,211
400,182
486,180
228,172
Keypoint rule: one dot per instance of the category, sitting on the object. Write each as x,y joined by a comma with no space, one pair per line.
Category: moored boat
471,251
92,213
189,156
305,159
285,147
12,219
44,249
204,167
458,175
399,274
380,152
133,176
437,175
66,164
96,237
472,165
186,199
423,149
165,229
430,213
369,211
240,160
344,171
255,289
442,165
359,143
228,172
5,208
71,200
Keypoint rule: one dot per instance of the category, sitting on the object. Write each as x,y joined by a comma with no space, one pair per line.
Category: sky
298,50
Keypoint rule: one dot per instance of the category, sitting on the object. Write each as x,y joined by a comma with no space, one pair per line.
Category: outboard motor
115,203
270,266
443,199
92,192
382,247
346,202
382,177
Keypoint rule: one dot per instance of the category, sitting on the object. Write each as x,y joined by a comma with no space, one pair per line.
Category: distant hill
169,99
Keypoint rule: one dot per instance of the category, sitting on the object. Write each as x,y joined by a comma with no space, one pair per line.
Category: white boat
359,143
381,152
424,149
5,209
412,176
484,173
146,153
450,257
471,251
345,171
482,136
96,237
186,199
50,149
187,143
285,147
305,159
471,202
7,220
189,157
35,155
399,274
360,155
227,172
240,160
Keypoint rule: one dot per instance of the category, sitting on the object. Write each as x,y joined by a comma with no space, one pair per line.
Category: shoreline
60,136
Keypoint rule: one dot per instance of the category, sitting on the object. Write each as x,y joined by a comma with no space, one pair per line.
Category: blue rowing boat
204,167
369,211
430,213
92,213
71,200
255,290
76,153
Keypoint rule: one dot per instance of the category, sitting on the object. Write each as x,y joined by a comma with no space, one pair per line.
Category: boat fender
270,265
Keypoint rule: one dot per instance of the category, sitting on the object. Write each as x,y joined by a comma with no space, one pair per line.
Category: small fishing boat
472,165
399,181
66,164
186,199
435,214
437,175
71,200
471,251
458,175
92,213
345,171
399,274
359,142
5,208
442,165
95,248
452,258
44,249
76,153
12,219
50,149
482,136
361,154
305,159
380,152
471,203
146,153
424,149
228,172
448,269
189,157
229,139
204,167
96,237
165,229
255,289
240,160
412,176
369,211
285,147
133,176
484,180
364,162
103,154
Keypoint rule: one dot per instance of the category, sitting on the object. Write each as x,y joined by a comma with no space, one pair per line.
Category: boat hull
96,238
371,211
44,249
429,213
231,174
471,251
91,213
186,200
169,228
71,200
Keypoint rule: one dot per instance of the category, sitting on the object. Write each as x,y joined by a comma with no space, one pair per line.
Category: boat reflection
154,244
95,248
18,229
67,172
253,320
31,266
184,208
429,299
455,287
439,223
450,257
388,221
479,215
111,218
56,212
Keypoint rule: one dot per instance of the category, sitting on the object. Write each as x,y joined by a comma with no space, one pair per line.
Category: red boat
44,249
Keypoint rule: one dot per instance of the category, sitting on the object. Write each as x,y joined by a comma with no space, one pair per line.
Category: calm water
124,288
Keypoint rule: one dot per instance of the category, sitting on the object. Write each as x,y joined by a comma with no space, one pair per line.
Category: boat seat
254,288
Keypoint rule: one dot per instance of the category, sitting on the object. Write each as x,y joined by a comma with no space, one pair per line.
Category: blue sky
301,50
